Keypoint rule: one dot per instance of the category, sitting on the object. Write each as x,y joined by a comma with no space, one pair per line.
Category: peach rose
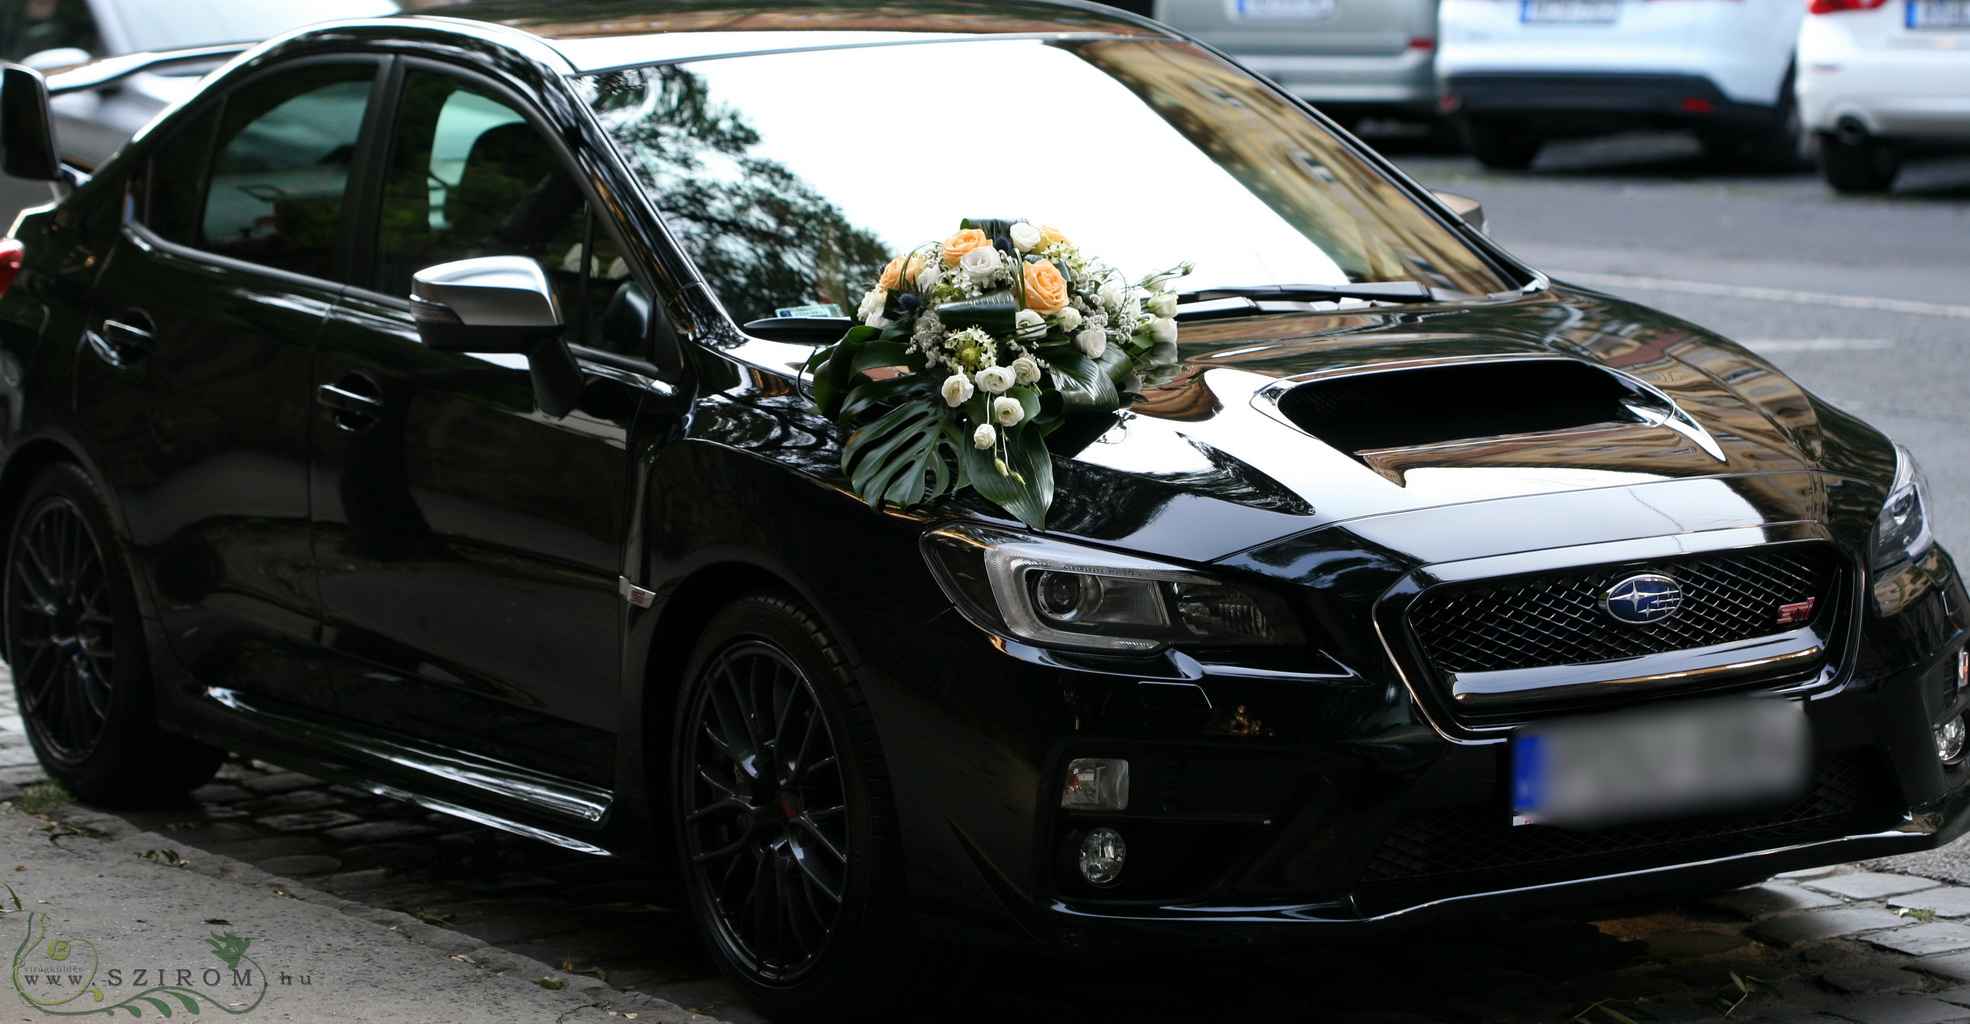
893,274
1051,234
1046,290
963,242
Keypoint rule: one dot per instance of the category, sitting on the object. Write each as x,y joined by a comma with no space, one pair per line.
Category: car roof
595,35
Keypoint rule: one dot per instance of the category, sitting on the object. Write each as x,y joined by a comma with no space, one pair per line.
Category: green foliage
552,984
903,458
43,796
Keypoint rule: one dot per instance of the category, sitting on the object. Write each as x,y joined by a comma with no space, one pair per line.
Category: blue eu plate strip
1528,774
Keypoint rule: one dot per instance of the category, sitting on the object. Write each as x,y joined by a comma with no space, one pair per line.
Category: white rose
984,437
928,279
1163,329
1007,411
1163,304
872,303
994,380
1028,324
1113,295
1025,369
981,263
1093,341
957,390
1068,318
1025,236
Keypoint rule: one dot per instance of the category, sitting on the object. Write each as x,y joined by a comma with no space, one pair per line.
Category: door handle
126,338
352,400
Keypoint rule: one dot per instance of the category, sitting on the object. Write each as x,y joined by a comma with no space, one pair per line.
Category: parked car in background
51,34
428,403
1880,81
1519,72
1350,58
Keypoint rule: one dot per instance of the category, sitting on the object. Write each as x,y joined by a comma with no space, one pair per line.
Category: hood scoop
1395,418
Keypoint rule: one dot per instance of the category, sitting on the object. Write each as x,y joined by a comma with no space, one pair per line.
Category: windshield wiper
1379,291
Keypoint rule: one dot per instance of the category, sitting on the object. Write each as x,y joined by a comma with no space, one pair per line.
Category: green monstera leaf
904,457
1025,488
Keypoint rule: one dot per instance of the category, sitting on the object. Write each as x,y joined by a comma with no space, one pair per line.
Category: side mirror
499,304
1469,210
27,128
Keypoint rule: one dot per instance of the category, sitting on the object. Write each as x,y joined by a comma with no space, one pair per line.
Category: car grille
1557,619
1436,853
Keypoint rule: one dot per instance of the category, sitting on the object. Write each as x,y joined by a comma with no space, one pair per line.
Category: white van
1518,72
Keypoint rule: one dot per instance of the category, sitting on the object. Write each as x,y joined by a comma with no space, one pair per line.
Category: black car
1420,588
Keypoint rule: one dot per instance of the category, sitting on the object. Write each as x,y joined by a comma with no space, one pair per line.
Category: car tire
1858,166
809,833
1501,143
1778,144
80,657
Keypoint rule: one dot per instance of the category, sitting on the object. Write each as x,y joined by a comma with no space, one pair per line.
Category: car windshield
176,24
792,178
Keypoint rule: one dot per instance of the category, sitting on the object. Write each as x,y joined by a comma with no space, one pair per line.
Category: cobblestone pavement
1879,946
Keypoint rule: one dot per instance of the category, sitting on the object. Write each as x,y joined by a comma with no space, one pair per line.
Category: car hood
1278,425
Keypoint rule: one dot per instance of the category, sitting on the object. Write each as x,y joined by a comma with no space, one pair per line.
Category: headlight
1901,534
1055,594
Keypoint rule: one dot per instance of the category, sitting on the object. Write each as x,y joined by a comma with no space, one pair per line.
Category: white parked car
1882,79
1349,58
1519,72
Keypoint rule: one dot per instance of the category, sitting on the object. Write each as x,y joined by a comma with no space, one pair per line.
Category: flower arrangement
968,352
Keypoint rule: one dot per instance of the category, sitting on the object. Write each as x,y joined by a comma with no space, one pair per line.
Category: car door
470,546
198,358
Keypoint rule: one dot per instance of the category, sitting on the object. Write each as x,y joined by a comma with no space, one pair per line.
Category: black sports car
425,404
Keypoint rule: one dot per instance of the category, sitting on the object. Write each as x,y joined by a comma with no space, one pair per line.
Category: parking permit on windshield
1706,757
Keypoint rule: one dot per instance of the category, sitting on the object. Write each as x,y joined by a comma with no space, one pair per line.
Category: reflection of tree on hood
762,236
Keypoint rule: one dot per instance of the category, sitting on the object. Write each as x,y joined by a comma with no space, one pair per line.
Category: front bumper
1310,802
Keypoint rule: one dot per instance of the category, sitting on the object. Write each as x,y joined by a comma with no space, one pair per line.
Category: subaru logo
1642,600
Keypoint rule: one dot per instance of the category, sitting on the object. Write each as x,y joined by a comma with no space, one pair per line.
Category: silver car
1350,58
51,34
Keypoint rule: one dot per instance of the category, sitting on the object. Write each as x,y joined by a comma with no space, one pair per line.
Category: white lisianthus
981,263
994,380
929,278
1025,370
1113,295
1093,341
957,390
1163,304
1163,329
1025,236
1028,324
1007,411
1068,318
984,437
871,311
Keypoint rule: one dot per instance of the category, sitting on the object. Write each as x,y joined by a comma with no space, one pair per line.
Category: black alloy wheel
76,645
784,824
61,635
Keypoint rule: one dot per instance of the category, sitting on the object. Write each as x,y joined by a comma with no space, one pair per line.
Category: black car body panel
411,589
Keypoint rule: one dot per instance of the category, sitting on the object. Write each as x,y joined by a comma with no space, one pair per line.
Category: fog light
1949,747
1096,784
1102,855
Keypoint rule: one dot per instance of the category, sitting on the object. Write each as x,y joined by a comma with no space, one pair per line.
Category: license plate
1709,757
1569,12
1938,14
1301,10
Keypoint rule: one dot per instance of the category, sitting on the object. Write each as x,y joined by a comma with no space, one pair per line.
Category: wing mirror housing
499,304
1469,210
27,127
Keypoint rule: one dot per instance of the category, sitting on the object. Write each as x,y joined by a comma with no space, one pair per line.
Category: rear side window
275,194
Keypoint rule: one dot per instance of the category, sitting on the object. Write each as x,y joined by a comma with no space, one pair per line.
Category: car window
469,176
28,27
286,145
1149,152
